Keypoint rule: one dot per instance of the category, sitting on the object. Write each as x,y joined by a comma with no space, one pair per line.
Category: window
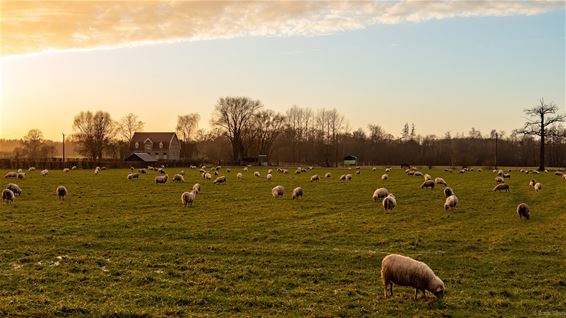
137,145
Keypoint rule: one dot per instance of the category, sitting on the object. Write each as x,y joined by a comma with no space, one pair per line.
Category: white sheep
348,177
501,187
439,180
74,168
315,178
499,180
257,174
196,188
187,198
448,192
358,172
297,193
220,180
379,194
427,177
245,168
328,175
11,174
97,170
178,178
343,177
270,171
384,177
208,176
8,196
15,188
161,179
239,175
418,174
30,169
61,192
142,171
66,170
278,191
389,202
44,172
427,184
21,175
269,176
20,170
387,170
523,211
538,186
132,176
451,202
405,271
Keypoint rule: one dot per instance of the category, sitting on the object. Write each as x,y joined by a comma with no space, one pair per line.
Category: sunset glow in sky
445,66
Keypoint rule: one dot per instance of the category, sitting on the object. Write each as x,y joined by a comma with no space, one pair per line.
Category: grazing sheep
20,171
373,169
208,176
285,171
298,193
427,184
187,198
405,271
500,173
44,172
448,192
523,211
532,183
21,175
358,172
257,174
30,169
450,202
11,174
277,191
74,168
96,170
215,172
343,177
328,175
506,176
384,177
66,170
315,178
501,187
564,177
132,176
178,178
239,175
8,196
143,171
228,170
538,186
269,171
499,180
245,168
161,179
427,177
389,202
15,188
379,194
269,176
220,180
61,192
480,169
348,177
440,181
558,173
298,171
182,173
161,170
196,188
418,174
387,170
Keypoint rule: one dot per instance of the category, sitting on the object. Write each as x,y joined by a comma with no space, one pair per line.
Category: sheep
343,177
187,198
269,176
297,193
558,173
315,178
418,174
523,211
358,172
11,174
208,176
499,180
270,171
196,188
257,174
216,173
161,170
379,194
439,180
61,192
132,176
66,170
8,196
506,176
228,170
30,169
220,180
21,175
15,188
427,184
384,177
285,171
462,171
405,271
178,178
239,175
451,202
161,179
348,177
192,166
387,170
532,183
44,172
277,191
501,187
448,192
480,169
328,175
373,169
389,202
143,171
182,173
20,171
500,173
245,168
427,177
96,170
564,177
74,168
538,186
298,171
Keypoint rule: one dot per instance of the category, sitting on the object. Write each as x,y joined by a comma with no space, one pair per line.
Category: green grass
128,248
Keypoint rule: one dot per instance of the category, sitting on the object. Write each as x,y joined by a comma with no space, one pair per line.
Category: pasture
128,248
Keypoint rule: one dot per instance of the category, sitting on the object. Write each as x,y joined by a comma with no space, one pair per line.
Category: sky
444,66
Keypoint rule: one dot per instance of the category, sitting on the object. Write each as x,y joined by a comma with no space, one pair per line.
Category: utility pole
63,148
496,140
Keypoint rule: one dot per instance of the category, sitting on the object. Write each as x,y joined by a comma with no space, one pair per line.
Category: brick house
160,145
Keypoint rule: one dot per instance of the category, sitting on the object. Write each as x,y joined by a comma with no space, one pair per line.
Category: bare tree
93,132
267,125
233,114
187,126
128,125
540,124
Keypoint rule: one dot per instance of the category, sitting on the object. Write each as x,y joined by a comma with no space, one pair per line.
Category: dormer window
137,145
160,145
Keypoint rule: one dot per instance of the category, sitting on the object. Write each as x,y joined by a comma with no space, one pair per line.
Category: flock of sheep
395,269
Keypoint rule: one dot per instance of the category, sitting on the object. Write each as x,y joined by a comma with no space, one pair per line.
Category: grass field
128,248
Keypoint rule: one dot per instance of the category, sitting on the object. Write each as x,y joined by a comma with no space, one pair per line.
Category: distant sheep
427,184
501,187
506,176
245,168
187,198
30,169
427,177
387,170
538,186
297,193
269,171
451,202
257,174
499,180
44,172
132,176
358,172
328,175
269,176
178,178
61,192
8,196
220,180
440,181
379,194
384,177
448,192
15,188
315,178
348,177
418,174
11,174
74,168
532,183
21,175
228,170
143,171
208,176
523,211
278,191
405,271
239,175
161,179
343,177
389,202
196,188
66,170
97,170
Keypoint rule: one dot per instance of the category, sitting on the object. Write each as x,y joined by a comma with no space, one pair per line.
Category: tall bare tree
267,125
93,132
128,125
187,126
543,116
233,115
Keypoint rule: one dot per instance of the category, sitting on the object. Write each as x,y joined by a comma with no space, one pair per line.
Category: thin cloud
40,26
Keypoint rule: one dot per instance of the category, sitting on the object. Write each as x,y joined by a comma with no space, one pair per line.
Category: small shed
141,157
350,160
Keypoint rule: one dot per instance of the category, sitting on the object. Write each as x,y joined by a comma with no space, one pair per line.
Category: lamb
315,178
357,171
343,177
389,202
61,192
245,168
257,174
388,170
501,187
31,169
239,175
8,196
208,176
427,177
348,177
277,191
44,172
15,188
11,174
373,169
187,198
297,193
96,170
269,176
132,176
21,175
440,181
20,170
161,179
427,184
178,178
196,188
74,168
182,173
538,186
523,211
220,180
328,175
161,170
532,182
405,271
379,194
558,173
448,192
270,171
384,177
451,202
499,180
228,170
66,170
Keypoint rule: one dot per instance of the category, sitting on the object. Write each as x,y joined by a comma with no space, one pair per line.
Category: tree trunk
541,163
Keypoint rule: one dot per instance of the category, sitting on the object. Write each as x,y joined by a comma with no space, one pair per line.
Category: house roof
141,156
154,137
350,157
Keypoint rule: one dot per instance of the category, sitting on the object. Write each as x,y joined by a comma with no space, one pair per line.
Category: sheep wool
379,194
384,177
178,178
405,271
278,191
427,184
297,193
8,196
61,192
161,179
220,180
44,172
187,198
196,188
523,211
451,202
15,188
448,192
440,181
501,187
538,186
11,174
328,175
389,202
315,178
